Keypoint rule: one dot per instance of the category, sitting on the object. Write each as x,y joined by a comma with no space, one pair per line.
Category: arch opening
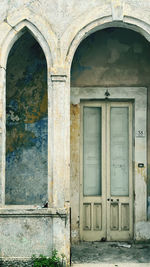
26,170
113,57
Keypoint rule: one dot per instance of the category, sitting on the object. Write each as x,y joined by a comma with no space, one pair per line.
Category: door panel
97,216
114,216
125,221
87,216
119,171
92,151
92,189
119,151
106,188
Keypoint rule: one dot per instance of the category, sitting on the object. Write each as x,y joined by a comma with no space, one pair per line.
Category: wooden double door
106,182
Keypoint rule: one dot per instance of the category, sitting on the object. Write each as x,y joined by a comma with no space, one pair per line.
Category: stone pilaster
60,143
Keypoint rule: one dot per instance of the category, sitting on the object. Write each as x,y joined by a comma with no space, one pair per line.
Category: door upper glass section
119,151
92,151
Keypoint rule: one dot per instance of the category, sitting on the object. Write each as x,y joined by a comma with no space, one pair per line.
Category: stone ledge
30,212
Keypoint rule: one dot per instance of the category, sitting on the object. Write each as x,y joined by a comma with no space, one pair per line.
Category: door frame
139,97
101,203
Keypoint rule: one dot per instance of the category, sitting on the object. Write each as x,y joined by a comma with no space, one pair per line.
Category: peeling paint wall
110,57
59,26
26,123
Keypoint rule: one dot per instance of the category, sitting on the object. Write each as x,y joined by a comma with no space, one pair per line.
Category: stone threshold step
126,264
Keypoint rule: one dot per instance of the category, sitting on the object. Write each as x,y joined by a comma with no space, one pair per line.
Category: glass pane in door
119,151
91,151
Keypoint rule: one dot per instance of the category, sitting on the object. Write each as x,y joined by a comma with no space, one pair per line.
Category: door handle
113,200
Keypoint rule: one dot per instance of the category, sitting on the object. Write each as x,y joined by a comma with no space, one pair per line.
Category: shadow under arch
131,23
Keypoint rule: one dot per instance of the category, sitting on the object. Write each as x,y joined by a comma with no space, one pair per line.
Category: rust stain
142,172
43,104
17,138
75,123
75,161
75,139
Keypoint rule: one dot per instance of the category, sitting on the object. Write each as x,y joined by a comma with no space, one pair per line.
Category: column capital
58,73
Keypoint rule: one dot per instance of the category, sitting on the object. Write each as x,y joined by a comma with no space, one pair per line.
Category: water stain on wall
112,57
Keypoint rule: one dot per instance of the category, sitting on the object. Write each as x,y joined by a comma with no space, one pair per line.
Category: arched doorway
108,59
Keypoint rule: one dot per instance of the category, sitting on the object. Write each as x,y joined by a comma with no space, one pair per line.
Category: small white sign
140,133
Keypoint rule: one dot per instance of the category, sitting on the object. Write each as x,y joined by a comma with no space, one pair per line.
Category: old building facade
74,124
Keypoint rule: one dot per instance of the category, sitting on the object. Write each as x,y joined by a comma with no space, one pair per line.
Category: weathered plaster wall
59,26
16,236
33,231
26,123
111,57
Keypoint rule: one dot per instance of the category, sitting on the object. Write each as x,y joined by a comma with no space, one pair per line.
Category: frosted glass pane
92,151
119,151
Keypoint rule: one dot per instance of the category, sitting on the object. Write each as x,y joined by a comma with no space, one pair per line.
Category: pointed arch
27,130
15,33
12,34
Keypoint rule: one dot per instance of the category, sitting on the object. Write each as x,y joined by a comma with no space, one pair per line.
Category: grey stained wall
26,123
110,57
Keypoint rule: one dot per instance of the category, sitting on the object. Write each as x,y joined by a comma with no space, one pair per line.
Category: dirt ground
110,253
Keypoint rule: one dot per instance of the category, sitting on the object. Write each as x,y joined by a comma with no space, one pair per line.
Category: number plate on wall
140,133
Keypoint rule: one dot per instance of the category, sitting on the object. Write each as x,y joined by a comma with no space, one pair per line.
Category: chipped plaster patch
142,230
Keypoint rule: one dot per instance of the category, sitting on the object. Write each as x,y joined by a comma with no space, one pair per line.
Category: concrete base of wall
142,230
29,232
16,263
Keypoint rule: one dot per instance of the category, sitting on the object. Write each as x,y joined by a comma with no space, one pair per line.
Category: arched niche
26,165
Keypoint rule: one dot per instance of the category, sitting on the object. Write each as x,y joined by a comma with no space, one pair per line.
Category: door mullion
108,199
130,170
119,216
104,169
92,216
